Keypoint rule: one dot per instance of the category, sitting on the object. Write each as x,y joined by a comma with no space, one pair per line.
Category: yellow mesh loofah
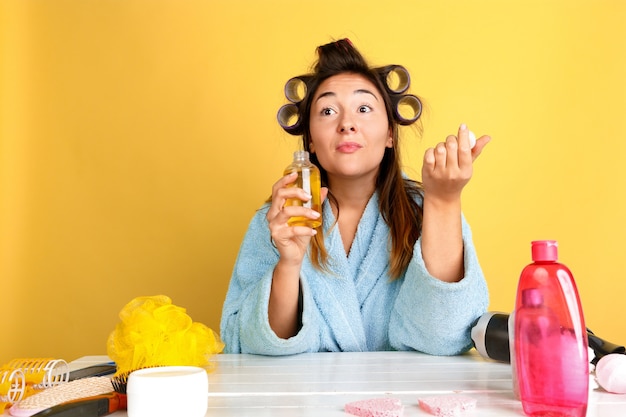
154,332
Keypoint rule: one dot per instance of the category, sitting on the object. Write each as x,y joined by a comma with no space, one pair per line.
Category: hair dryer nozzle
491,336
491,339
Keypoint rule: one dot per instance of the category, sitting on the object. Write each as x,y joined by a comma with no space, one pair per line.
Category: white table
320,384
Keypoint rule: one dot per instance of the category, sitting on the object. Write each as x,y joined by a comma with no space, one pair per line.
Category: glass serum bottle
309,180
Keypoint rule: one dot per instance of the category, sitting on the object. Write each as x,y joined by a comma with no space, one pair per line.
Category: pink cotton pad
447,405
376,407
611,373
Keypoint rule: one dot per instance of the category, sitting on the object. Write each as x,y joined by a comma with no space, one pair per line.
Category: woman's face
349,126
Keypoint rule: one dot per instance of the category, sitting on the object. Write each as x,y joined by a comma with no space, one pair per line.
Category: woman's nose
347,125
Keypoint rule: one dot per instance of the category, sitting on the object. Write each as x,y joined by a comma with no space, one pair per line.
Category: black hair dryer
491,339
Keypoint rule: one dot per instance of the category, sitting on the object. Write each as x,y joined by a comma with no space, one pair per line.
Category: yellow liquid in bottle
309,180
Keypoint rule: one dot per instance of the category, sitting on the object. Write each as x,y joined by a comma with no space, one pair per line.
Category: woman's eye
327,111
365,109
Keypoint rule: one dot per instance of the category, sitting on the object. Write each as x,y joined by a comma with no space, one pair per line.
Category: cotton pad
446,405
376,407
472,139
611,373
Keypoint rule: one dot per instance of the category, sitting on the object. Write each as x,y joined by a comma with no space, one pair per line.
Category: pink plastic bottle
551,363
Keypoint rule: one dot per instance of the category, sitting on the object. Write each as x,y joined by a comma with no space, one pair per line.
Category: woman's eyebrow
359,91
364,91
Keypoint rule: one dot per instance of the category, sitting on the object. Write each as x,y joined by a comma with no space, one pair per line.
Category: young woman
392,267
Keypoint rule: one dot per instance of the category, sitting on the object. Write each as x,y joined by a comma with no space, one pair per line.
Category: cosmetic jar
168,391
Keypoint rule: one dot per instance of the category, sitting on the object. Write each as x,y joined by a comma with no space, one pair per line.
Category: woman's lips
348,147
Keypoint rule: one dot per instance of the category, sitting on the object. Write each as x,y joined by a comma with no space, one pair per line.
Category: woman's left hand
448,166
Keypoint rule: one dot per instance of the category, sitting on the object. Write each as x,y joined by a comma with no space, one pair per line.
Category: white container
168,391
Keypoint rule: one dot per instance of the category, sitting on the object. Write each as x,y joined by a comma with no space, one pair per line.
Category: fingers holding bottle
288,218
294,205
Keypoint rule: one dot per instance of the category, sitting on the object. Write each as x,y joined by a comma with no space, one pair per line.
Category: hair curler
23,377
289,119
407,108
41,373
491,339
296,88
396,78
12,387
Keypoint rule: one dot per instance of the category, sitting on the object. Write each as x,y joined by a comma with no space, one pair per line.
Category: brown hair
397,194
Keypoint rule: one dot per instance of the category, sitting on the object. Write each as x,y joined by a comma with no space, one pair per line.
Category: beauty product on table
550,339
168,391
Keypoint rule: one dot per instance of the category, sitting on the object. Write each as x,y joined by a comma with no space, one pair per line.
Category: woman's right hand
291,241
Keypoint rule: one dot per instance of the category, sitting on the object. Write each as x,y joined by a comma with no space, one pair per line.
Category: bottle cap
300,156
545,250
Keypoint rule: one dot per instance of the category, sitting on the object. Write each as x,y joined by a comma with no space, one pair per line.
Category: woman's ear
389,143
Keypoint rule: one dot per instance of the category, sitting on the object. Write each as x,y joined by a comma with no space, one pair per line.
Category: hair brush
83,397
96,406
87,397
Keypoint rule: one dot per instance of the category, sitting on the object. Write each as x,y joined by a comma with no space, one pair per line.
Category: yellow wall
139,136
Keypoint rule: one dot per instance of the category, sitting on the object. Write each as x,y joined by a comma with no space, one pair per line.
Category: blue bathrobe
357,308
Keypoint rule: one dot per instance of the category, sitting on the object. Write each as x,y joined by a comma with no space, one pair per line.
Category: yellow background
139,136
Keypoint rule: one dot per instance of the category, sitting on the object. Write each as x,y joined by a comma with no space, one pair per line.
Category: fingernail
316,214
463,126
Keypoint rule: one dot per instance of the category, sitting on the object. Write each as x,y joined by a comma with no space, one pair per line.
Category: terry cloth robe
358,307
